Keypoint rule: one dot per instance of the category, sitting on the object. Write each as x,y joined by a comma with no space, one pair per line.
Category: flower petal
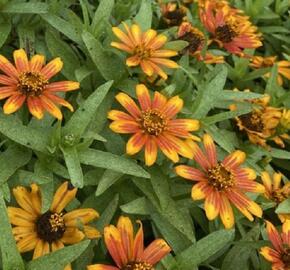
136,33
234,159
91,232
190,173
199,191
13,103
38,251
133,61
184,124
198,155
125,228
147,67
8,68
226,212
62,197
7,91
122,36
36,63
270,254
72,236
138,245
28,243
164,62
62,86
101,267
151,151
210,149
52,68
59,100
50,107
80,216
119,115
148,36
173,106
21,60
164,53
212,204
135,143
274,237
159,101
143,97
35,107
7,80
129,104
124,126
167,149
157,42
122,47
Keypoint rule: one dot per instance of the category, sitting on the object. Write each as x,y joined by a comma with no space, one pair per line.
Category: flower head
229,27
274,191
145,48
173,14
49,231
221,183
285,119
262,123
279,254
196,43
264,62
153,125
128,251
28,81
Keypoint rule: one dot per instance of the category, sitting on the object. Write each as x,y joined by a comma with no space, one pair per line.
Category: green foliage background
84,150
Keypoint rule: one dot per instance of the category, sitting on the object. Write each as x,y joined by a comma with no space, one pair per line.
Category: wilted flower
173,14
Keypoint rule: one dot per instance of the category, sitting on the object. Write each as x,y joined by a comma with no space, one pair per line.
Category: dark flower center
195,40
285,257
252,121
142,52
153,122
137,266
225,33
50,226
175,17
220,178
31,83
279,195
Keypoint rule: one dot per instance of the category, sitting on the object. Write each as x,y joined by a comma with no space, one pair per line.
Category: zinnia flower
262,123
274,191
264,62
196,40
173,14
229,27
127,251
49,231
222,183
153,125
29,81
279,255
145,48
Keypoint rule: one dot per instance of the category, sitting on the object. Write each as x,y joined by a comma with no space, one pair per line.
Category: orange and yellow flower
173,14
222,183
128,251
196,43
28,81
264,62
229,27
279,255
274,191
49,231
263,123
153,125
145,49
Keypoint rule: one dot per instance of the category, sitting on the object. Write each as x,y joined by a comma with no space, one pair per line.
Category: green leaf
204,249
11,259
136,207
176,45
278,153
283,207
35,139
63,26
207,96
12,159
80,120
16,7
110,66
103,12
60,48
113,162
236,95
73,165
144,15
59,259
107,180
272,82
5,29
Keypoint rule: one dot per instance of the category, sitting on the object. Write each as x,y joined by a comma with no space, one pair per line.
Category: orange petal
35,107
234,160
62,86
157,250
198,155
136,33
151,151
6,80
274,236
80,216
135,143
143,96
164,53
122,36
36,63
138,246
226,212
148,36
147,67
72,236
133,61
59,101
270,254
184,124
173,106
7,91
119,115
158,70
8,68
91,232
199,191
164,62
21,60
49,106
101,267
13,103
167,149
125,228
157,42
125,127
122,47
212,205
159,101
129,104
190,173
52,68
210,149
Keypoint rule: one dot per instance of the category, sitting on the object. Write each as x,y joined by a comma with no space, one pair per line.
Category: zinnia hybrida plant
154,125
29,81
221,183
